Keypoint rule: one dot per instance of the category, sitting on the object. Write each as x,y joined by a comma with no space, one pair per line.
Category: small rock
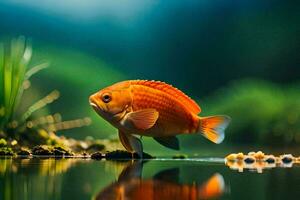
6,151
270,159
24,152
240,156
118,154
58,152
287,158
62,151
84,154
249,160
42,150
97,156
231,157
259,155
125,155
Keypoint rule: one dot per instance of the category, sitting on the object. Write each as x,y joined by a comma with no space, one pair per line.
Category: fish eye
106,97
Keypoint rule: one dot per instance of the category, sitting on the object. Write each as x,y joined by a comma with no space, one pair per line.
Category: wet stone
84,154
97,156
61,151
24,152
125,155
118,154
42,150
286,159
270,160
57,152
249,160
6,151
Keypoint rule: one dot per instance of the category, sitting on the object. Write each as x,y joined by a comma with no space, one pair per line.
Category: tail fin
212,188
213,127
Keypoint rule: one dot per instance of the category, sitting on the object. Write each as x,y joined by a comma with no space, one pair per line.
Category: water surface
154,179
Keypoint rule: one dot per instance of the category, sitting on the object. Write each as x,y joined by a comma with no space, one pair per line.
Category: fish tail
212,188
213,127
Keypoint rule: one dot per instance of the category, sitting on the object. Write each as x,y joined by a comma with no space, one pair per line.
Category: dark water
156,179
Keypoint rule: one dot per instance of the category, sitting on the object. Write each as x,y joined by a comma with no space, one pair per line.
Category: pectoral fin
170,142
143,119
131,143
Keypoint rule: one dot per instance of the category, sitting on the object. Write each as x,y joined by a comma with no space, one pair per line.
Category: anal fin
170,142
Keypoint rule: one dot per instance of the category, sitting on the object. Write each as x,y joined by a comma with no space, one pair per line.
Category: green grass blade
14,61
20,76
35,70
52,96
7,83
2,110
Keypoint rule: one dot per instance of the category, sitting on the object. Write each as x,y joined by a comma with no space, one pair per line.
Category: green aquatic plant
14,60
15,74
262,112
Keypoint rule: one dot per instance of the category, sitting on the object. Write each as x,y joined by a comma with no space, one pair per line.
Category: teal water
37,179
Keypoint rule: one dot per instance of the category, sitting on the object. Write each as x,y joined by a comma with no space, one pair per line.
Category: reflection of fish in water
164,186
154,109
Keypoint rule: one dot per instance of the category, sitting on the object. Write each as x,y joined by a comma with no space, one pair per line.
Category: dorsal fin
169,89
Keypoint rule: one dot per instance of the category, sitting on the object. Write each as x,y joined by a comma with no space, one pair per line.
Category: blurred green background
234,58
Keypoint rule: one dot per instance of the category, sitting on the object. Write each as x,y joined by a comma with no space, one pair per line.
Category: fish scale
172,115
169,89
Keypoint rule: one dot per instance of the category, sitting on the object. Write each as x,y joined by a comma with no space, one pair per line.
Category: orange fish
164,185
154,109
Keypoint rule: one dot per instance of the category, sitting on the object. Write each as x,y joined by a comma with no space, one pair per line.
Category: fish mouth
95,106
99,110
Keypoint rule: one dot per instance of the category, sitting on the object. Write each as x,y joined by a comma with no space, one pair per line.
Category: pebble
97,156
287,158
249,159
